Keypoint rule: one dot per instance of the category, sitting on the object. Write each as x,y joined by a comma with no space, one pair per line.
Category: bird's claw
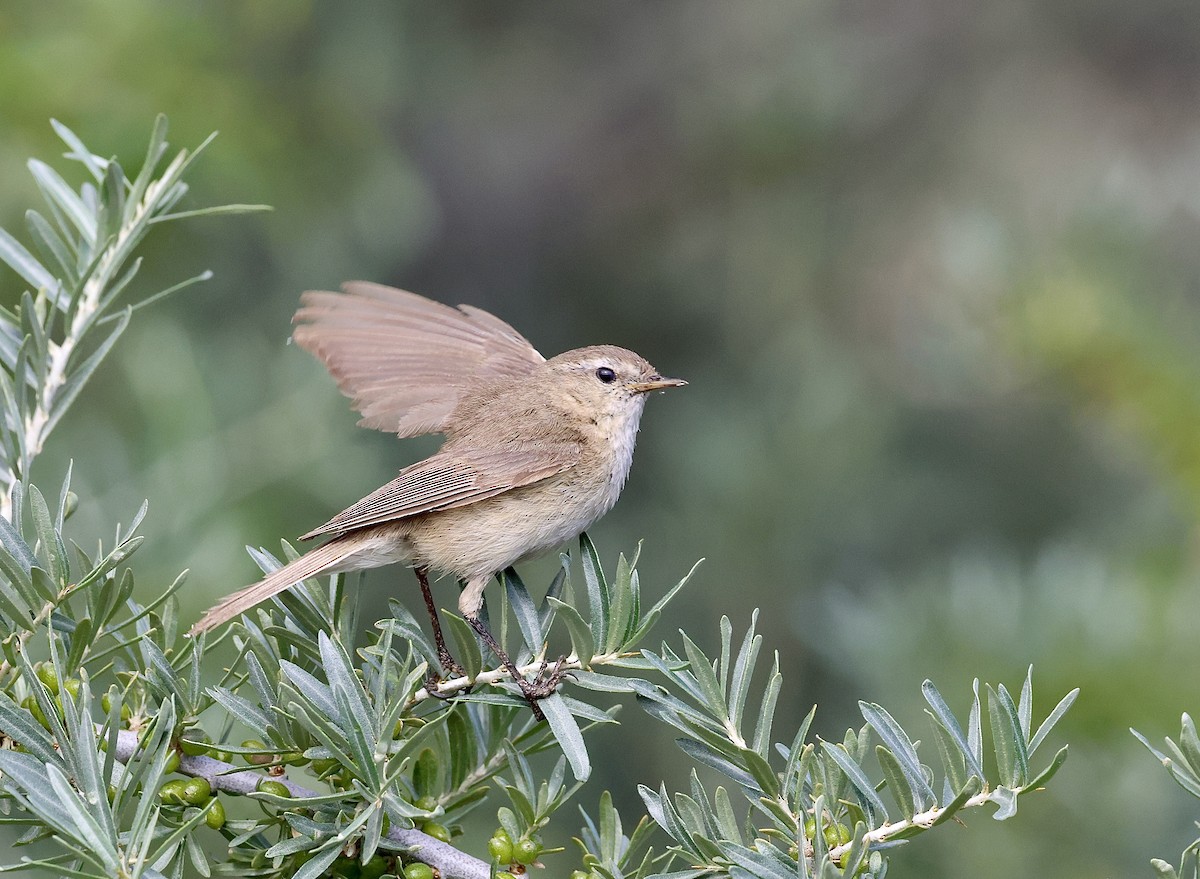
545,684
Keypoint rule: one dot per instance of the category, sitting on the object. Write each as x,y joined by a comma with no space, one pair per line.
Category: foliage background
929,266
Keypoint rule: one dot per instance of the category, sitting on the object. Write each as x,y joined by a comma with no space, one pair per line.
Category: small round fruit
810,828
47,675
324,765
215,816
437,831
72,685
277,788
172,792
257,759
417,870
426,803
197,791
172,762
501,849
527,849
198,744
374,868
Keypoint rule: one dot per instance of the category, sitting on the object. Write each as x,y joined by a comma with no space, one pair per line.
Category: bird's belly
484,537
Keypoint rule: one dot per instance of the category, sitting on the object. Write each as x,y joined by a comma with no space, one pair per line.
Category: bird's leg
533,690
449,665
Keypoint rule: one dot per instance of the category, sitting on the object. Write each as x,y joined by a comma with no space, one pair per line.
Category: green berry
836,834
324,765
501,849
197,744
437,831
580,874
277,788
810,828
172,762
172,793
374,868
72,685
31,705
197,791
418,870
294,758
426,803
47,675
215,816
527,849
257,759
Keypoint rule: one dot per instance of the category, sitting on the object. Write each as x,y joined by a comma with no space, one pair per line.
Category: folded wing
452,480
405,360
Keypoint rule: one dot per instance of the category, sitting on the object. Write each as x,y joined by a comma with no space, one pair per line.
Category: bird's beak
656,383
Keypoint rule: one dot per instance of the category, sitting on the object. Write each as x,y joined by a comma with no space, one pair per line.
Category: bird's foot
545,684
450,669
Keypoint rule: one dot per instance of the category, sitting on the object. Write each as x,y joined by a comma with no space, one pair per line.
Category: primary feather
404,360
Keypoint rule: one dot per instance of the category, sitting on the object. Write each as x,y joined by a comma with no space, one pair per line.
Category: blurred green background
930,267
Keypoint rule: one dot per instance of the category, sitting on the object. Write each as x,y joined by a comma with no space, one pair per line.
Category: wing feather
452,480
404,360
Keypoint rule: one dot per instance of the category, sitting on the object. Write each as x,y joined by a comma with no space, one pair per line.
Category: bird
536,450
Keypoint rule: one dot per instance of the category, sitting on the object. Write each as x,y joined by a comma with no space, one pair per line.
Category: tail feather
320,560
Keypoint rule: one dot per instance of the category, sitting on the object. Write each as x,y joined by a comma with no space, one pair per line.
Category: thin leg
531,690
448,662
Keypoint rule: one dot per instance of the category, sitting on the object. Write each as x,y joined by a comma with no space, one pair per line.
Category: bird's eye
606,375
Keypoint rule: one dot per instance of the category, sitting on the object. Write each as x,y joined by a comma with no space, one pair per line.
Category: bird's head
607,381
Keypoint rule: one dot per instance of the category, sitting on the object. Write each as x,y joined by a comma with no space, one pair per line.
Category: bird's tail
327,558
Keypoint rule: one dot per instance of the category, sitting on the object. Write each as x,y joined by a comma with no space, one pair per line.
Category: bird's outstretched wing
452,480
405,360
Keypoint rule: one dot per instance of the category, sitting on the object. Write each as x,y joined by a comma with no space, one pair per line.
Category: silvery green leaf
863,788
743,670
466,645
523,611
702,753
19,725
900,748
621,606
1053,718
63,199
1012,759
1006,802
567,734
946,719
245,712
652,615
80,153
1041,779
759,865
968,790
708,687
582,642
25,264
51,245
953,758
53,549
318,864
897,781
597,588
